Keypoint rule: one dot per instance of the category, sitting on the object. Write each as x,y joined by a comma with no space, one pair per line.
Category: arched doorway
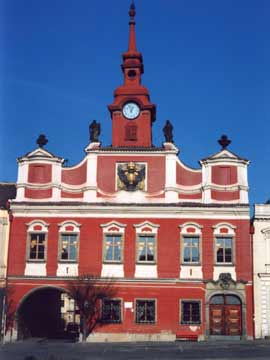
40,314
225,311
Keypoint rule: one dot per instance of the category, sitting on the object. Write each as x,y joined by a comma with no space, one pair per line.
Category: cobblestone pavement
59,350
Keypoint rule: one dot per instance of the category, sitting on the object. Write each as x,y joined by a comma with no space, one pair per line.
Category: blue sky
206,66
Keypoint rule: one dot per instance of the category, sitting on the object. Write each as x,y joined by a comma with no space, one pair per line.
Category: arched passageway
41,314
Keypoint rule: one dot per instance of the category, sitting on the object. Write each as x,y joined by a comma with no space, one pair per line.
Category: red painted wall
168,246
224,175
225,195
187,177
40,173
38,194
75,176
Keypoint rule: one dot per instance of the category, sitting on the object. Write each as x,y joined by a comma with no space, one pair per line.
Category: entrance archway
39,314
225,313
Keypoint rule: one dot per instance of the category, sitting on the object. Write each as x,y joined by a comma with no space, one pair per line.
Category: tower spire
132,35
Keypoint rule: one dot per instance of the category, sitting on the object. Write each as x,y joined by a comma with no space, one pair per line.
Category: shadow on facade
39,315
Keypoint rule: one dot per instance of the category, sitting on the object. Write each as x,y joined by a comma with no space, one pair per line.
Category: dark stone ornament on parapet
42,140
131,176
94,131
224,142
225,280
168,131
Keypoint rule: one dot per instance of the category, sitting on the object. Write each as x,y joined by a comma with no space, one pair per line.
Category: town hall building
176,240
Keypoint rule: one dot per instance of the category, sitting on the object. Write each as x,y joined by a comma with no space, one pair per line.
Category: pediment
39,153
224,154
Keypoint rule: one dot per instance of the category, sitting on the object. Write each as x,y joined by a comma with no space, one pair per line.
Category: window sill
224,264
36,261
113,262
191,264
146,263
67,262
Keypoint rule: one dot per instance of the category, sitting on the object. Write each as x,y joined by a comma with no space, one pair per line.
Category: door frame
224,307
231,287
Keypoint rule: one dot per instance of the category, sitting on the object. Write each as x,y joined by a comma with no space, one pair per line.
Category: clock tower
131,111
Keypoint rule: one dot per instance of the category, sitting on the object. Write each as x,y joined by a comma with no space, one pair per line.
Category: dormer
39,173
224,176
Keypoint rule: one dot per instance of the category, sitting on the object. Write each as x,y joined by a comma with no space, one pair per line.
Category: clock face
131,110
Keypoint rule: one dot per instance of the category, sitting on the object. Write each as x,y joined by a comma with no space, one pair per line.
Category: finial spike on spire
132,36
132,10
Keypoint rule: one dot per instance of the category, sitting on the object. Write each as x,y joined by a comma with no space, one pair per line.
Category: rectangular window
111,311
190,312
146,249
191,250
224,250
69,247
145,311
113,248
37,246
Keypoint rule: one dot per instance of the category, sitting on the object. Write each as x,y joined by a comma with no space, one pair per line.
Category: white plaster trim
146,271
63,224
190,272
37,222
224,269
35,269
140,226
67,269
231,229
123,211
120,227
112,270
193,225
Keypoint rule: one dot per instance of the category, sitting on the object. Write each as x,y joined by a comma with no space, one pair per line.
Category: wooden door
216,319
232,320
225,318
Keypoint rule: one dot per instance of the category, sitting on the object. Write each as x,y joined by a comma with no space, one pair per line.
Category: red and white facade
176,240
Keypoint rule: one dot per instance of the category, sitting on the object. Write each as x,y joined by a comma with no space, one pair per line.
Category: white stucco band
112,270
35,269
66,269
224,269
191,272
146,271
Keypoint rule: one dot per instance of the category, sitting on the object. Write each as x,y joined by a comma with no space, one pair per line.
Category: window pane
111,311
146,248
69,243
191,249
228,255
195,254
191,313
37,246
232,300
145,311
186,254
217,300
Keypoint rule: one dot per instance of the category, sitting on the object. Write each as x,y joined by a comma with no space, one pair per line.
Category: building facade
7,192
176,239
261,256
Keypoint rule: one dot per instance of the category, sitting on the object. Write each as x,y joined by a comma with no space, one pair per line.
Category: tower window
131,74
131,132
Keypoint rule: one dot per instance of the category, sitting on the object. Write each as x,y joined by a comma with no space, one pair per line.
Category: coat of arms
130,176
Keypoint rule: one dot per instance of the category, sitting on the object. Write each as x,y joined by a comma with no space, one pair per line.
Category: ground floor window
190,312
145,311
111,310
